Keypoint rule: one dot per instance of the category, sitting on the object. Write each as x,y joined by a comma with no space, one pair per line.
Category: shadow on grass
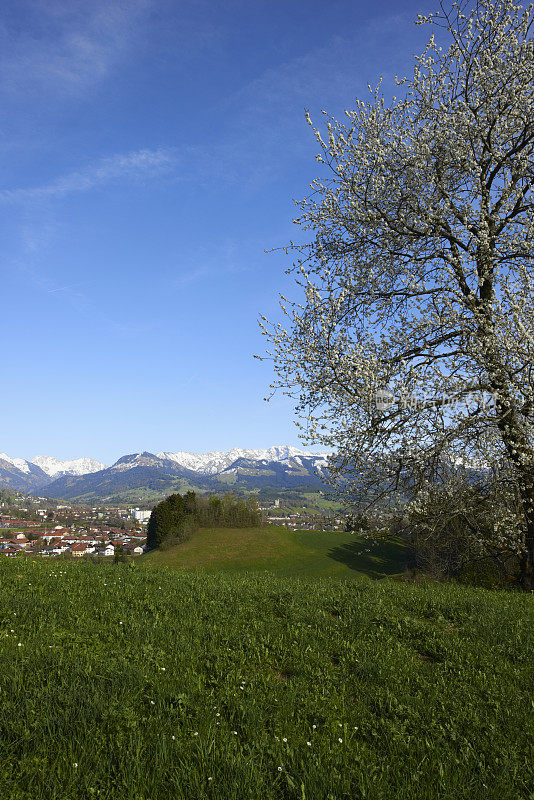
380,561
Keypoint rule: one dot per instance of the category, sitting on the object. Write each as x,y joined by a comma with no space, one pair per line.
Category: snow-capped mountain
135,460
217,461
23,475
76,466
19,463
238,469
165,473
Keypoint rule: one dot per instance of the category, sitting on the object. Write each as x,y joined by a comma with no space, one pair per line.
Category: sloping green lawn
282,552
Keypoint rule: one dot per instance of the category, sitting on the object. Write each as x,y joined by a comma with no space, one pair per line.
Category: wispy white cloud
66,47
134,165
39,227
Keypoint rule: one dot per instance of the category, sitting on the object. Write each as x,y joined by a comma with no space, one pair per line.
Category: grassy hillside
136,494
282,552
122,683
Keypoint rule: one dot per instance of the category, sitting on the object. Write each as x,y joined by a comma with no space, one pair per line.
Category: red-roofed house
78,550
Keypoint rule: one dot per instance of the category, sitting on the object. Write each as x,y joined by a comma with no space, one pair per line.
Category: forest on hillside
174,519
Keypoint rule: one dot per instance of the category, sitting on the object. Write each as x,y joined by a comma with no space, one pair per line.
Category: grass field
321,502
139,682
283,552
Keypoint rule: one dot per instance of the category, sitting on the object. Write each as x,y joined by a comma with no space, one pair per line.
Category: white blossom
418,275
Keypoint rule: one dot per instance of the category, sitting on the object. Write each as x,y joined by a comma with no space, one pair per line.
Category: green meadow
283,552
223,669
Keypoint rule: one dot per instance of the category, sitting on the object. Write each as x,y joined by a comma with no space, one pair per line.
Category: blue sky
151,152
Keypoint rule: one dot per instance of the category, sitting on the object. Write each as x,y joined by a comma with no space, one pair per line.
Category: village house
53,551
59,530
80,549
11,551
53,540
21,540
134,549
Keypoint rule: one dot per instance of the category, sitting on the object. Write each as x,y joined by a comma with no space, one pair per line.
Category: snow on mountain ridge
217,460
203,463
76,466
19,463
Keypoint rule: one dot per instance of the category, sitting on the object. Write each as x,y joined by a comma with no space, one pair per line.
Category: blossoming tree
412,344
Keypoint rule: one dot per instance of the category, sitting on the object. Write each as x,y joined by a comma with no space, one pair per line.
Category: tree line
174,519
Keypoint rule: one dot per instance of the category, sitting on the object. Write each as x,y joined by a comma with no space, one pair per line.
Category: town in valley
39,527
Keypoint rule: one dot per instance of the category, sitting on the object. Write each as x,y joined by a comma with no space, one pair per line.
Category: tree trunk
518,447
526,571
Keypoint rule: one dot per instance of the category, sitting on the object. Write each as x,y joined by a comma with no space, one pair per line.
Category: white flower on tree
417,280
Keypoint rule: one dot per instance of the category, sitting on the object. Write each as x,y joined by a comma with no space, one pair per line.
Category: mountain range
154,474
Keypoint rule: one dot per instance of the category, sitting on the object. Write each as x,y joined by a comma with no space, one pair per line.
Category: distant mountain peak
19,463
76,466
217,461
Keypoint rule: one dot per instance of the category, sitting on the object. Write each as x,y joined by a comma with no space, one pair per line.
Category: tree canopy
412,347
